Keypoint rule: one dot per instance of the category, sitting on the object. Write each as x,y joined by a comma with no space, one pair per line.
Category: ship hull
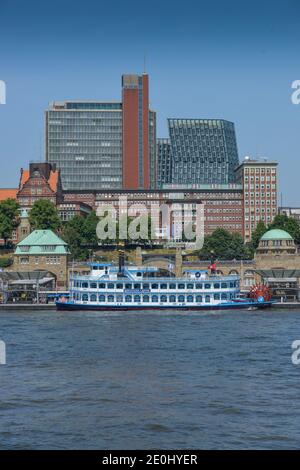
222,306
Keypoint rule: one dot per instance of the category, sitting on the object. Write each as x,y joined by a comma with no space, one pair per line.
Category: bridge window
181,298
85,285
154,298
224,285
137,286
93,285
173,298
119,298
217,285
190,298
101,298
102,285
146,298
163,298
172,286
181,286
119,286
110,285
163,286
199,298
128,286
137,298
217,296
199,286
85,297
154,286
224,296
128,298
146,286
207,286
93,298
110,298
207,299
190,286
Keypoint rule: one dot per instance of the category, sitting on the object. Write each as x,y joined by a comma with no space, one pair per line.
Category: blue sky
231,60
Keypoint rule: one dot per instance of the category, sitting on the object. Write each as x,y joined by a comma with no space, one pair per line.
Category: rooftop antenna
144,62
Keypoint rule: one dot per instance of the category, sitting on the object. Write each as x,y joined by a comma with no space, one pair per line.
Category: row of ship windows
111,285
153,299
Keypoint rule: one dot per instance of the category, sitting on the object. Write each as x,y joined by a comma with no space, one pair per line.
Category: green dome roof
276,234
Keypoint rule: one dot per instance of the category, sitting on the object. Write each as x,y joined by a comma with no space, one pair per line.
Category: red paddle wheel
260,291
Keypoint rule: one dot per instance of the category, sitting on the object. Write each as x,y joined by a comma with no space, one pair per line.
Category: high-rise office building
164,162
138,133
105,145
203,151
260,181
84,140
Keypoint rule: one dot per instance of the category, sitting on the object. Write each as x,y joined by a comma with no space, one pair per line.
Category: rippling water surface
149,380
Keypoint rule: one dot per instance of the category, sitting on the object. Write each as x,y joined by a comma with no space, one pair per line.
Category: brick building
259,180
40,181
223,204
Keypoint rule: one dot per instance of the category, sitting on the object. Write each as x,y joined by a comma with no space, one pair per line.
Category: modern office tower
104,145
164,162
204,151
139,139
84,140
259,180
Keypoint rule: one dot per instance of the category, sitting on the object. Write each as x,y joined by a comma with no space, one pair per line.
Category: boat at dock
110,287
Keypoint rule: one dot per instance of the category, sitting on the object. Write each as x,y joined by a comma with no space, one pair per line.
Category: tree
80,234
44,216
73,233
289,224
89,229
9,210
224,245
260,230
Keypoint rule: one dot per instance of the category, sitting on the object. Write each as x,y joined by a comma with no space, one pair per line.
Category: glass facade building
84,140
203,151
104,145
164,162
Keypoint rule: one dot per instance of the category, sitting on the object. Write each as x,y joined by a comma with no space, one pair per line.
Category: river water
221,380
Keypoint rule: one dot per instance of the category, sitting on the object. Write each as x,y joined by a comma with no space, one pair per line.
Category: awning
31,282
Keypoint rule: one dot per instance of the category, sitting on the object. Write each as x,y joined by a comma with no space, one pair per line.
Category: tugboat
123,288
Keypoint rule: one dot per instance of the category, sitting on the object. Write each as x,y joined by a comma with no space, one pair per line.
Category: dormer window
48,248
24,248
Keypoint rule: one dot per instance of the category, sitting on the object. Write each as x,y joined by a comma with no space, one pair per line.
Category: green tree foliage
73,234
224,245
90,229
8,218
126,230
5,262
44,216
289,224
80,234
260,230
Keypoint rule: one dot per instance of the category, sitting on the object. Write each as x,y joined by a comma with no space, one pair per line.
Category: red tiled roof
8,193
24,178
53,180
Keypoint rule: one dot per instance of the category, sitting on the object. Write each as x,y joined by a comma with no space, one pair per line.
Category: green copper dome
276,234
